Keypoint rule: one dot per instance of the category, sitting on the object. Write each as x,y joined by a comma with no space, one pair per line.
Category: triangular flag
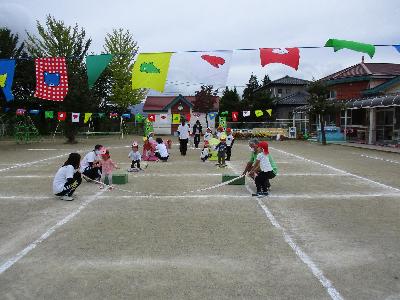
34,112
212,115
176,118
355,46
286,56
206,68
223,113
246,113
48,114
20,112
163,116
101,115
397,47
87,117
7,67
188,117
259,113
95,65
235,115
51,78
269,111
151,117
139,117
150,71
75,117
61,116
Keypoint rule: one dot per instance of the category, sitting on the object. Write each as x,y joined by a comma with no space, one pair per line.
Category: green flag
138,118
95,65
101,115
48,114
355,46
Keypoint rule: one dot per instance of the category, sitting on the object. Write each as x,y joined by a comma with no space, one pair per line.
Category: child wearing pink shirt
107,166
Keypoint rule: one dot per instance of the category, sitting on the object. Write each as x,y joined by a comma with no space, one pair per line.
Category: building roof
163,103
379,89
299,98
366,70
378,101
287,80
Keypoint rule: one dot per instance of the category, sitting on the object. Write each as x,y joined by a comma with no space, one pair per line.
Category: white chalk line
326,283
338,170
380,158
9,263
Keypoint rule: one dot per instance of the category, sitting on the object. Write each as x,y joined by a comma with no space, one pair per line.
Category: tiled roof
366,69
160,103
299,98
289,81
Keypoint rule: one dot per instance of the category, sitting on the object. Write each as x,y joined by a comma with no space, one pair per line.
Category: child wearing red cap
229,143
264,169
107,166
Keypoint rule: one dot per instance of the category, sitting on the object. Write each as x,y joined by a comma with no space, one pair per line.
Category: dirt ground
330,228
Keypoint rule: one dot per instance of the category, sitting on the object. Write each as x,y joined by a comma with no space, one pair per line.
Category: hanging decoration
95,65
151,117
259,113
51,78
269,111
212,115
87,117
222,122
139,118
34,112
246,113
397,47
235,115
101,115
48,114
150,71
7,67
113,115
176,118
75,117
355,46
126,116
61,116
20,112
187,117
286,56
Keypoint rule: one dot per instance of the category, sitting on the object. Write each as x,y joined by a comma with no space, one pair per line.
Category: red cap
228,130
264,146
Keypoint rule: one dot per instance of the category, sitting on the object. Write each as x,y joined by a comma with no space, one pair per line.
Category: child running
108,166
161,150
68,178
221,147
135,156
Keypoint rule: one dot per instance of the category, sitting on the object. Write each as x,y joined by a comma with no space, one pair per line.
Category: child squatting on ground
205,153
108,166
68,178
135,157
263,170
161,150
221,147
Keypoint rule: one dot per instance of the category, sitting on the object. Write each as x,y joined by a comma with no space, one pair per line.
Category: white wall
163,126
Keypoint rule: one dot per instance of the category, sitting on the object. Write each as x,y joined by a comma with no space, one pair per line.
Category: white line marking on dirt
380,158
211,196
26,197
326,283
9,263
46,149
25,176
330,196
337,170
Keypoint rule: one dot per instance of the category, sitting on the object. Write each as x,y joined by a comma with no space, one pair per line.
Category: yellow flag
150,71
176,118
259,113
269,111
87,117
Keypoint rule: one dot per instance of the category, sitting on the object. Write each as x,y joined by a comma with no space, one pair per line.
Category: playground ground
329,229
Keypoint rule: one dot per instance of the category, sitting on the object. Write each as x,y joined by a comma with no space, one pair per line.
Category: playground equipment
25,130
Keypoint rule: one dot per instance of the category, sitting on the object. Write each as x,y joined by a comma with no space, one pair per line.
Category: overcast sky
213,24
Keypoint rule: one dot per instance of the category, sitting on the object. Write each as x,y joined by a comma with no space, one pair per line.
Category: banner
212,115
235,115
7,67
222,122
95,65
188,117
48,114
20,112
246,113
139,118
87,117
61,116
259,113
176,118
269,111
286,56
355,46
75,117
151,117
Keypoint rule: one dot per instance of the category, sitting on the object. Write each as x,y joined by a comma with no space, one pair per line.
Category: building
165,106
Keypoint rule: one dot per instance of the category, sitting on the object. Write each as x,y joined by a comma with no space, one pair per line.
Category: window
279,93
332,94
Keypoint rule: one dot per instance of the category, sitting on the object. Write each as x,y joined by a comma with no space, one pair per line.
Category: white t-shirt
89,158
204,153
265,165
162,149
183,131
219,133
229,140
61,177
207,136
135,155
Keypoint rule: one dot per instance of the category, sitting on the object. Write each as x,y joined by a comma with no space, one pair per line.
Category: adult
253,144
197,131
183,134
68,178
89,164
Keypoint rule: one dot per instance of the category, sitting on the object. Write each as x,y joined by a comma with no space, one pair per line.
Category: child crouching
161,150
205,153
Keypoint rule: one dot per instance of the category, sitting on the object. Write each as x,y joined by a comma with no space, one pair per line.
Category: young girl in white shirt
68,178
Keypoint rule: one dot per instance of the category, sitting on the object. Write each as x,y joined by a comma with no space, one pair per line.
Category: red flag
187,117
51,78
286,56
61,116
20,112
151,117
113,115
235,116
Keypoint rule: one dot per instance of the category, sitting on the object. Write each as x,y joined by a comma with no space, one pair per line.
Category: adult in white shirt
161,150
183,133
89,164
68,178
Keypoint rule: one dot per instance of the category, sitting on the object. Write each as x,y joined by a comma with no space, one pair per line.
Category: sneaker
66,198
256,194
262,195
265,193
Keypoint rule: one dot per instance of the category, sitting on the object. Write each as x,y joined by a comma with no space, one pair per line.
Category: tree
230,100
56,39
266,80
320,105
250,87
206,98
121,43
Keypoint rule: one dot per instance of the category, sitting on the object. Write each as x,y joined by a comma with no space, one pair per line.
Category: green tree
230,100
266,80
320,105
255,98
56,39
121,43
253,84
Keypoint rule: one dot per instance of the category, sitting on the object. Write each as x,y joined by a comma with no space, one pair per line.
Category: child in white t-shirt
229,143
135,157
68,178
161,150
208,135
205,153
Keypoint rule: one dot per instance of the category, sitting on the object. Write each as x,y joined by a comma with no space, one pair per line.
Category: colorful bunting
51,78
151,117
139,118
223,113
150,71
101,115
61,116
48,114
95,65
246,113
222,122
34,112
113,115
163,116
259,113
269,111
188,117
355,46
176,118
212,115
20,112
75,117
87,117
235,115
126,116
7,67
286,56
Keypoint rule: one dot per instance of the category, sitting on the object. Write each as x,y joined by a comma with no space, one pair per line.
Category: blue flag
212,115
397,47
7,67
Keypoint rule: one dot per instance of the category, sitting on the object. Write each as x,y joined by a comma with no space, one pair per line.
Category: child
135,156
220,131
229,143
68,178
221,147
161,150
148,150
205,153
266,169
208,135
108,167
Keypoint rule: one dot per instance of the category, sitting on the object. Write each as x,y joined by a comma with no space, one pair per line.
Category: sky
176,25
